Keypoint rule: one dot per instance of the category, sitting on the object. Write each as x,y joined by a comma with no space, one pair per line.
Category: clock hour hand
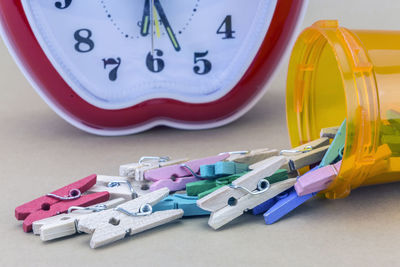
167,26
145,27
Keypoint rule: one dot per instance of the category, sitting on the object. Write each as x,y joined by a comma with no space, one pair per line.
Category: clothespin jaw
317,180
229,202
329,132
65,224
335,151
47,206
127,219
181,201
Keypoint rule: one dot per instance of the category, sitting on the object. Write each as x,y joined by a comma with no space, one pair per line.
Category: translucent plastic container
337,73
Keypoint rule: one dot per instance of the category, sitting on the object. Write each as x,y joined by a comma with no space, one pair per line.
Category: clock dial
102,48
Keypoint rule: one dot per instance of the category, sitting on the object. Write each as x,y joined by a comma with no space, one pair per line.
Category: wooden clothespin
335,151
136,170
245,193
120,187
252,156
181,201
65,224
127,219
176,177
59,201
221,169
329,132
305,155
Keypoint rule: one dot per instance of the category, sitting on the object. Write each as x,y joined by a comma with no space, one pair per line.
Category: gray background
41,152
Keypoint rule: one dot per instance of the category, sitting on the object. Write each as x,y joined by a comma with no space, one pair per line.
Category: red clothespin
317,180
175,177
59,201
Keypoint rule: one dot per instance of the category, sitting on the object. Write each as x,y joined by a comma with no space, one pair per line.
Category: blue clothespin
269,203
181,201
286,204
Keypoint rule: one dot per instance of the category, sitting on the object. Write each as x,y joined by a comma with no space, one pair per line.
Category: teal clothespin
335,151
222,168
181,201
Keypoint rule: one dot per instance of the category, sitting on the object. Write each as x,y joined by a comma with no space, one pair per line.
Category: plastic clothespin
181,201
306,155
336,148
59,201
120,187
317,180
222,168
245,193
127,219
65,224
252,156
136,170
176,177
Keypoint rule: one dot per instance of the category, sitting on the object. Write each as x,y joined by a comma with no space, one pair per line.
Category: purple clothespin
176,177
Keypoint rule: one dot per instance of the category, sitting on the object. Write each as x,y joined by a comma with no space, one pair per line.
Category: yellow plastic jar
336,74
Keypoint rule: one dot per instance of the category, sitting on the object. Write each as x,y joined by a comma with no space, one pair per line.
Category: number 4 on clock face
103,48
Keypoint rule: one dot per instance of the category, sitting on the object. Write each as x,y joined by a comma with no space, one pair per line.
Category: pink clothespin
59,201
317,180
176,177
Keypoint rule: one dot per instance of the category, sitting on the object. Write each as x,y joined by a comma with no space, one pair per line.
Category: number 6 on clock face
189,55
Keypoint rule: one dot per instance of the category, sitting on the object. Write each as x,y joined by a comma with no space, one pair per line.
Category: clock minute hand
144,31
167,26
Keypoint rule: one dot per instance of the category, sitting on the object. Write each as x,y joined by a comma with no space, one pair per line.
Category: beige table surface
41,152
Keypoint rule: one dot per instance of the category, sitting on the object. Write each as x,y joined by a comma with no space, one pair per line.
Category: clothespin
120,187
245,193
176,177
263,207
181,201
329,132
252,156
306,155
127,219
317,180
65,224
136,170
335,151
59,201
222,168
285,205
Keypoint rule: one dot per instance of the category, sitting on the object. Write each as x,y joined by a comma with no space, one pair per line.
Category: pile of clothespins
227,185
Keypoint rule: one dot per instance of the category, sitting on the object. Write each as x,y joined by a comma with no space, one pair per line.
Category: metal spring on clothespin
293,151
73,194
143,160
262,187
144,210
118,183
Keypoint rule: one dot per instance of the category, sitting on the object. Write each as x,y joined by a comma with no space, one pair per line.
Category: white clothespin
245,193
136,170
120,187
65,224
329,132
127,219
306,154
252,156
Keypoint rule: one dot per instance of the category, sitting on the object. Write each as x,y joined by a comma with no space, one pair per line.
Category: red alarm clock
119,67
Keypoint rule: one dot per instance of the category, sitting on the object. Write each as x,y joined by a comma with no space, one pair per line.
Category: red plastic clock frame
33,58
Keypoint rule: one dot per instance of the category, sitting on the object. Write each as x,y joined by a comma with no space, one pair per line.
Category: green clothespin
335,150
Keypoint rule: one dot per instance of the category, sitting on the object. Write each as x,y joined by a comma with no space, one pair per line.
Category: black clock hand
167,26
144,31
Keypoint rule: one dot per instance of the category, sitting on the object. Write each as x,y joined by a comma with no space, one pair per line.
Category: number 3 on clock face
114,67
103,49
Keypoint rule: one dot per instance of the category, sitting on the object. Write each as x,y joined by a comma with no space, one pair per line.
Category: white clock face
105,51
